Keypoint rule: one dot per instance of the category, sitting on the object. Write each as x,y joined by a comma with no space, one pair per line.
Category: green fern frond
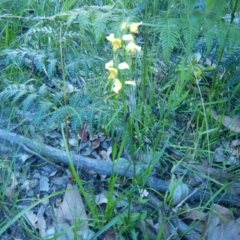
222,36
67,5
43,30
209,31
39,62
81,15
72,35
233,38
80,114
215,9
85,107
42,113
22,91
60,114
16,55
9,92
28,101
169,35
190,31
83,61
100,23
78,99
51,67
27,57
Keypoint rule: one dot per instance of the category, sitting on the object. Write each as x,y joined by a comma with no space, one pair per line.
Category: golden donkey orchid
131,48
134,27
109,64
116,42
117,85
113,73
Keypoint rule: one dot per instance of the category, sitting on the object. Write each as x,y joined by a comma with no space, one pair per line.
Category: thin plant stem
64,86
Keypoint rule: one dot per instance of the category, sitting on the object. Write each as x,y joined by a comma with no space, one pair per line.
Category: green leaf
169,35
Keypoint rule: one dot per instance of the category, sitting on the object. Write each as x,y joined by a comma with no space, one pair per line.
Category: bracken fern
38,57
187,23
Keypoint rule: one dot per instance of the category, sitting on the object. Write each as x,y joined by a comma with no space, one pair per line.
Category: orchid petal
134,27
109,64
128,37
117,86
123,66
133,83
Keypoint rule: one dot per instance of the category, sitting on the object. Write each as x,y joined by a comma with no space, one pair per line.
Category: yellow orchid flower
128,37
113,73
109,64
116,42
134,27
133,83
117,86
123,66
131,48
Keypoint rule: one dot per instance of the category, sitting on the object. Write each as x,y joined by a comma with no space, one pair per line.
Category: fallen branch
102,167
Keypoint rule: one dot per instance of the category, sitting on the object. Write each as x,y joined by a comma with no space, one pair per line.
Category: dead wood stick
101,167
58,156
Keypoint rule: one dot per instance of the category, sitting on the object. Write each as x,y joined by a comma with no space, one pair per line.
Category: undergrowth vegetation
54,63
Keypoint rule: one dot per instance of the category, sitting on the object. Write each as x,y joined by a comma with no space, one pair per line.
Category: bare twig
104,167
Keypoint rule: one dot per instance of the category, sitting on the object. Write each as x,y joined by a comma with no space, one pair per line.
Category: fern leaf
190,29
169,35
60,114
77,99
28,101
39,61
21,92
67,5
77,118
51,67
222,38
209,31
8,93
43,30
233,38
81,15
99,23
41,113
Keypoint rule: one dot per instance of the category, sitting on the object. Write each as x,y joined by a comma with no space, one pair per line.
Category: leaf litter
45,179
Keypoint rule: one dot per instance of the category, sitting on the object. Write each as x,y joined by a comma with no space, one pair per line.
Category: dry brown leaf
72,208
230,123
228,231
96,143
101,198
103,154
222,212
235,146
194,214
64,227
235,143
10,191
41,223
32,218
84,133
110,234
70,212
